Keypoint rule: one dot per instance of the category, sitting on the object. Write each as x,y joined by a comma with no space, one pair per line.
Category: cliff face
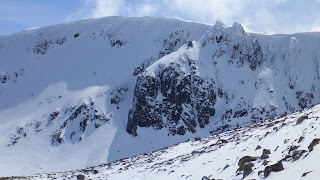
174,97
118,87
247,77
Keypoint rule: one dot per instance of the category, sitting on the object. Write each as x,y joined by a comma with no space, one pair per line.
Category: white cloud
316,25
145,10
107,7
97,8
266,16
102,8
32,28
207,10
316,28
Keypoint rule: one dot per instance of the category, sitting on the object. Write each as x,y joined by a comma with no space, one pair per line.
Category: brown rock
266,151
297,154
300,139
265,162
304,174
246,159
247,169
80,177
258,147
264,156
302,118
292,148
313,144
273,168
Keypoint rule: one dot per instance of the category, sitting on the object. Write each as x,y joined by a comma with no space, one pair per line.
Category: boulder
265,153
258,147
273,168
246,159
299,121
313,144
247,169
80,177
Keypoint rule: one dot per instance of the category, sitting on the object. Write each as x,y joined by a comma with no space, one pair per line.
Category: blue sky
264,16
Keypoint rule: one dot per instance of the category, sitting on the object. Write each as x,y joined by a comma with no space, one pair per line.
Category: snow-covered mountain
84,93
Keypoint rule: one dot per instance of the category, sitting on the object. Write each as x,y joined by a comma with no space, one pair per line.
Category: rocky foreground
285,148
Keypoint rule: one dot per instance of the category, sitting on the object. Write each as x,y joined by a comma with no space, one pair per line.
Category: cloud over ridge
265,16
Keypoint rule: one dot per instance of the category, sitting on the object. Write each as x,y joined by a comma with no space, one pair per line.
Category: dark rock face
251,54
305,99
117,96
181,100
21,133
170,44
245,49
82,117
146,63
175,96
172,99
177,38
42,46
52,117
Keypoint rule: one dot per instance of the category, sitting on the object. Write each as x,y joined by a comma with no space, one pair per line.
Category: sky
262,16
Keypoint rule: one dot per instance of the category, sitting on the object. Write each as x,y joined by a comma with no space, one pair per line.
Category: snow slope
89,92
292,140
53,75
